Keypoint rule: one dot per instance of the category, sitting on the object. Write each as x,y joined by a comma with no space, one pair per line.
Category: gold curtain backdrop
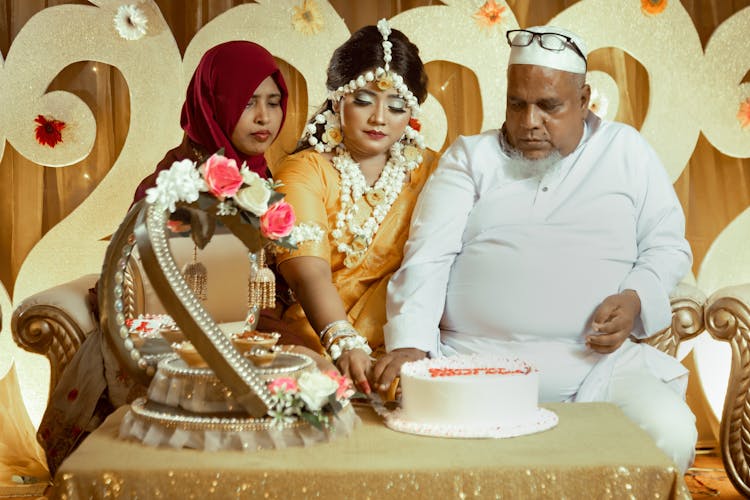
37,200
714,188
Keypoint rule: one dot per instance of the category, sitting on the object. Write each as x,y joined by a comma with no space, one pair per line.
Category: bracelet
332,324
338,335
334,330
347,343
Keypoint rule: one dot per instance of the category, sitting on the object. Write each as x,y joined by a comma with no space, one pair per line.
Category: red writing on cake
458,372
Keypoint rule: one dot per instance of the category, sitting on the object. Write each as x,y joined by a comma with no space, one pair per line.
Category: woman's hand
389,366
356,364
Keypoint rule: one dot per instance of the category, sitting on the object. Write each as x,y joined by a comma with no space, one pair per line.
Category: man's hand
614,320
388,367
355,364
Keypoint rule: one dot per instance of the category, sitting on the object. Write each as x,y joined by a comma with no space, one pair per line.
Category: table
594,452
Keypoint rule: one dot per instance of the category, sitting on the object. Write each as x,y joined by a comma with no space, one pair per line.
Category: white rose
315,389
254,198
248,176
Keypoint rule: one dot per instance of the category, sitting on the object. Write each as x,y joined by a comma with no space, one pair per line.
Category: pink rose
278,220
283,384
222,176
344,390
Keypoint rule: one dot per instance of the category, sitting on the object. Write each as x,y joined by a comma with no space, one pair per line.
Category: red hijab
221,87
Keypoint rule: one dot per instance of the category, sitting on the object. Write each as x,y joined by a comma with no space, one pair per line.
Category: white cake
470,396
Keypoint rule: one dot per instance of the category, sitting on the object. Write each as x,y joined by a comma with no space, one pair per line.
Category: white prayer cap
557,53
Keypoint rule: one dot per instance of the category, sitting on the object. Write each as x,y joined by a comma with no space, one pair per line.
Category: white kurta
494,263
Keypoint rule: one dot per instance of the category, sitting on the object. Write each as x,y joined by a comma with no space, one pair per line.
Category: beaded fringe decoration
262,283
196,276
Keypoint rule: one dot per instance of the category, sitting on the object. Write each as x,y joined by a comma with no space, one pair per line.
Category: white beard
519,167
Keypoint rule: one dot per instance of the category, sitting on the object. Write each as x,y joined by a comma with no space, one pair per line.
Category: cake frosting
470,396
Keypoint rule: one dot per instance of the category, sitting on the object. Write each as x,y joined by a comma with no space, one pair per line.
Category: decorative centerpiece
216,391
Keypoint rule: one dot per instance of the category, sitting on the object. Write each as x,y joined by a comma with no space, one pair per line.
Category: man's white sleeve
664,255
416,292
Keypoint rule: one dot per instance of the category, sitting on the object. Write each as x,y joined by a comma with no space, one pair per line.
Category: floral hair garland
385,79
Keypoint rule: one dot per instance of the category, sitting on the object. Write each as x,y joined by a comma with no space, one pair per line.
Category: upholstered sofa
55,322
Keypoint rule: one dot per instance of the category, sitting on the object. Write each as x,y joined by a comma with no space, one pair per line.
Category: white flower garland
306,232
353,187
379,75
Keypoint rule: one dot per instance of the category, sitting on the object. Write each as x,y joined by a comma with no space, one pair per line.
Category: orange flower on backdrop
307,18
743,115
48,131
653,7
489,14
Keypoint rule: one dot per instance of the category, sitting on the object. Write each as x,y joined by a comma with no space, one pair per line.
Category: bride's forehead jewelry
383,77
324,133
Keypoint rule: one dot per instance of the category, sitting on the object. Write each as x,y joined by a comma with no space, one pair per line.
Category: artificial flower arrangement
314,397
221,192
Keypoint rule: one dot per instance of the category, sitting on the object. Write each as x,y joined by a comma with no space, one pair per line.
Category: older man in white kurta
498,261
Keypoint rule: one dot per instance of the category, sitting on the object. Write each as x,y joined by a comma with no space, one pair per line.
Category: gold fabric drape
593,449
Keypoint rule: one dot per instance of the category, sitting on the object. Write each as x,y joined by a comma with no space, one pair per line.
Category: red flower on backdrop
414,123
73,394
48,132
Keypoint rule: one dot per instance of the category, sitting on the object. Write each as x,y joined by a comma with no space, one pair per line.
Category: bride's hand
356,364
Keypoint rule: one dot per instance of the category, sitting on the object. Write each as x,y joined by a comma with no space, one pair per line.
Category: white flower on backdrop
598,103
130,22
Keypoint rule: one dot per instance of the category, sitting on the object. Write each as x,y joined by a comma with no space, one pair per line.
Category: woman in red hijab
236,100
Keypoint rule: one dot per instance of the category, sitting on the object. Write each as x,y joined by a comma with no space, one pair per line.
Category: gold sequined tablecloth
594,452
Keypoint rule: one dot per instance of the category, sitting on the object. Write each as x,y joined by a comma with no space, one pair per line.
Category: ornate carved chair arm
55,322
688,303
728,320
